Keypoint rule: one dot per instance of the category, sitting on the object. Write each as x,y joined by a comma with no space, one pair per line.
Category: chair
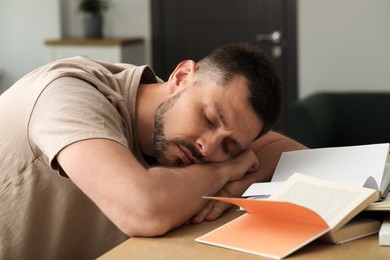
341,119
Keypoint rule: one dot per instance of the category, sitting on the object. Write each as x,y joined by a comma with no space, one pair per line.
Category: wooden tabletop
180,244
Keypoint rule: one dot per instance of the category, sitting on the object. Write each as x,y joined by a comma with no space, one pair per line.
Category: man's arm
268,149
145,202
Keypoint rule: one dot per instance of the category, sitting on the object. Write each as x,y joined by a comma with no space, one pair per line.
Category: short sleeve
71,110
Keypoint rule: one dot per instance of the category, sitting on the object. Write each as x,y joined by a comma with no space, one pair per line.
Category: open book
361,165
302,210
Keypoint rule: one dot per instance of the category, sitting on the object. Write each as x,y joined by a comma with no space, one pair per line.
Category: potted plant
93,16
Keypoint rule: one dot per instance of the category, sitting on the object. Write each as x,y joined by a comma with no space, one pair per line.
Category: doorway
190,29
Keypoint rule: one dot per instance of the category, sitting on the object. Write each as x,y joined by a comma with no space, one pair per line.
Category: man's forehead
239,124
232,106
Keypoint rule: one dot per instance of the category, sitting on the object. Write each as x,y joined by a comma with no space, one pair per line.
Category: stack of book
314,194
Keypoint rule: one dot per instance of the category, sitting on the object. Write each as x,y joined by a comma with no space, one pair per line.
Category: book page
386,180
336,163
332,201
383,205
265,189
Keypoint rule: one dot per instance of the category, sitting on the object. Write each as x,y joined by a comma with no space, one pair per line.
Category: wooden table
180,244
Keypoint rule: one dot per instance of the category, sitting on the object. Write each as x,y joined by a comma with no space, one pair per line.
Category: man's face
205,124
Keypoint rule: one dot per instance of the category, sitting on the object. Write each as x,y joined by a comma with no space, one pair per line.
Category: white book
361,165
384,232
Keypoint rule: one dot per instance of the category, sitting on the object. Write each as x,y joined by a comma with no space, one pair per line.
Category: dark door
190,29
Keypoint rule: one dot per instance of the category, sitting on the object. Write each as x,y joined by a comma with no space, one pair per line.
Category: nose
210,146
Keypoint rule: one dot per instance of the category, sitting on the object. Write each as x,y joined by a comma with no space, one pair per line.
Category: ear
183,73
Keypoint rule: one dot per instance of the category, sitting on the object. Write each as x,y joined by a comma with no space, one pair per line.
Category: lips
186,156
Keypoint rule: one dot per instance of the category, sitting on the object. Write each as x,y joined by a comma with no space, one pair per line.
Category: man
92,153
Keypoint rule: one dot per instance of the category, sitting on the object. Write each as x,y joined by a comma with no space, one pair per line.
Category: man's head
256,67
216,107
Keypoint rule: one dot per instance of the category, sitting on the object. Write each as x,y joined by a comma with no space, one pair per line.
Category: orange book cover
302,210
266,229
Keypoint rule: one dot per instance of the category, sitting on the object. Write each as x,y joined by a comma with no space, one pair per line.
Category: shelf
94,42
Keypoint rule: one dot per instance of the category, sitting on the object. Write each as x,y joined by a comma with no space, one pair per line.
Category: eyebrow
222,118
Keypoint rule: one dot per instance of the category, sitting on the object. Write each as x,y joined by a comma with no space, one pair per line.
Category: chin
176,163
170,162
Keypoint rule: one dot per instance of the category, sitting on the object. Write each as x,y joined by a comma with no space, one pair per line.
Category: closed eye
227,150
208,121
229,147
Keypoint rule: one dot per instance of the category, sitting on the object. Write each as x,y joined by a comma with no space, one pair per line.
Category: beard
161,143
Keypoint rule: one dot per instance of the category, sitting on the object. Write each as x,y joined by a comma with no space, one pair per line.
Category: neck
149,97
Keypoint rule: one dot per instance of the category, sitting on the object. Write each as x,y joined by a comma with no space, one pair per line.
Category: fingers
252,160
217,210
200,217
255,165
211,212
243,163
234,169
214,209
219,207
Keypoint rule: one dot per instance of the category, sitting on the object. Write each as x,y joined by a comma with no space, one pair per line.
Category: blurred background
333,45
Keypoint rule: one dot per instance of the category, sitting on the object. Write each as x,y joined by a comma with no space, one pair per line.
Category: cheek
181,121
184,119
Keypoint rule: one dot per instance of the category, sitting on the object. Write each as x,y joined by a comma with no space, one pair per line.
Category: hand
235,168
214,209
267,149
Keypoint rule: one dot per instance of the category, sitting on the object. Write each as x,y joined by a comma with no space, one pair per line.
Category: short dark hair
251,62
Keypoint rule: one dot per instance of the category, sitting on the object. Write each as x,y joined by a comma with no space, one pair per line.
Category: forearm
174,196
268,150
145,202
179,196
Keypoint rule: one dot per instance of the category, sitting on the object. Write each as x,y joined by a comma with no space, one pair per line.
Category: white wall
344,45
24,24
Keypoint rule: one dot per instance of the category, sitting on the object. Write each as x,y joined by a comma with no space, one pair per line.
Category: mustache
194,152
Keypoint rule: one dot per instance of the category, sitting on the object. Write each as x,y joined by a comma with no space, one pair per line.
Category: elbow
146,228
146,222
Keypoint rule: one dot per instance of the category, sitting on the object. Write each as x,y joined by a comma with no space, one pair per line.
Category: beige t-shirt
43,215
